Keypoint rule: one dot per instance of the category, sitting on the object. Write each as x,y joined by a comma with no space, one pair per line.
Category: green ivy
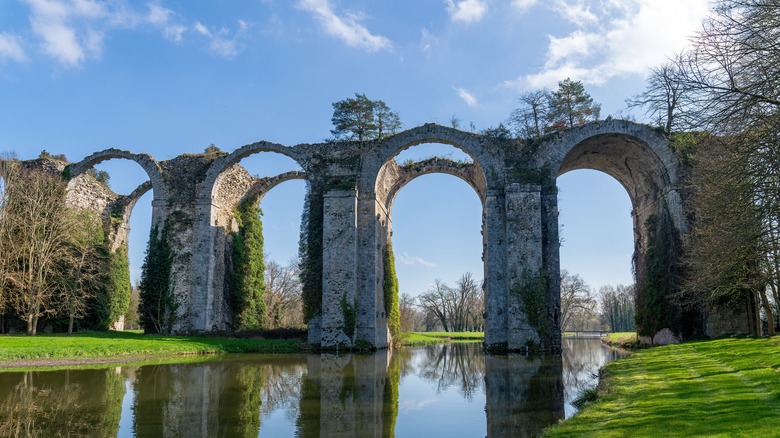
311,253
533,297
117,299
157,306
390,288
248,269
657,284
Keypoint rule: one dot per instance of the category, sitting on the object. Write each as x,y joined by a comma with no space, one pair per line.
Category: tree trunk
769,314
70,325
30,330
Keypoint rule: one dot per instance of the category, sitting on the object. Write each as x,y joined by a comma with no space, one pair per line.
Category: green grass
720,388
622,339
102,345
432,338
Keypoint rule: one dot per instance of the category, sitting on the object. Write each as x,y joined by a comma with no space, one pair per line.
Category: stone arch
224,185
641,160
208,188
468,172
149,165
262,186
637,156
485,155
126,204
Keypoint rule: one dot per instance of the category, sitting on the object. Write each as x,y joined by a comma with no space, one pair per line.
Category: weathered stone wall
514,179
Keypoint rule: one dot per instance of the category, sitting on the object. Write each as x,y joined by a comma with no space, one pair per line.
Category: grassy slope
125,344
726,387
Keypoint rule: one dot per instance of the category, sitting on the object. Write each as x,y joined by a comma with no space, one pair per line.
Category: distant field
622,339
720,388
429,338
85,347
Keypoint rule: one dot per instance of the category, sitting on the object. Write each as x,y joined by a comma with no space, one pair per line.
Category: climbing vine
311,252
113,300
656,301
157,306
533,297
390,287
247,278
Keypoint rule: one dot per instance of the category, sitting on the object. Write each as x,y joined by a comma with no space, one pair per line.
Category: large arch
223,186
641,160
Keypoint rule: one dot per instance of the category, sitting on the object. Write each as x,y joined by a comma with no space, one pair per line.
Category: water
447,390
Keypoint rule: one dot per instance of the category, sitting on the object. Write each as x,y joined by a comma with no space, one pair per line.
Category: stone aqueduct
357,183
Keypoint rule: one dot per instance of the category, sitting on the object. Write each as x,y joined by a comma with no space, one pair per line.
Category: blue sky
171,77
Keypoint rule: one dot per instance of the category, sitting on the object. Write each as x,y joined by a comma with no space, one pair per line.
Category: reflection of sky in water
442,391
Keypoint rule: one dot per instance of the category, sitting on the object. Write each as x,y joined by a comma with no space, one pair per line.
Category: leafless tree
528,119
456,309
283,299
664,97
81,264
576,300
38,228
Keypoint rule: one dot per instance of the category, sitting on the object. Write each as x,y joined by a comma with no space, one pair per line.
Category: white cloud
466,96
575,11
66,28
346,28
523,5
406,259
427,41
223,42
165,20
11,48
615,38
467,11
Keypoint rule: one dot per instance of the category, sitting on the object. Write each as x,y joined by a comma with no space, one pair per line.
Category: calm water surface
444,391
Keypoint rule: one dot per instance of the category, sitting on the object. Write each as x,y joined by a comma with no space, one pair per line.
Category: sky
169,77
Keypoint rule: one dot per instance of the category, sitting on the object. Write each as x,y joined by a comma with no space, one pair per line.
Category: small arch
487,159
150,166
264,185
208,188
468,172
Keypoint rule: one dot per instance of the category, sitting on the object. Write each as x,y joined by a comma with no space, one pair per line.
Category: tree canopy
362,119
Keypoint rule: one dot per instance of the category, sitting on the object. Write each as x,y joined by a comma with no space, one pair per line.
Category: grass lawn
720,388
119,345
622,339
431,338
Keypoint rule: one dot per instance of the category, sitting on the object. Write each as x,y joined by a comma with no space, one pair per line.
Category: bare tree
617,307
81,264
436,301
575,299
283,297
456,309
38,226
528,119
664,97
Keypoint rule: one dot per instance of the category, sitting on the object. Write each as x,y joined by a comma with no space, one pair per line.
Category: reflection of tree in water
582,359
282,389
454,364
61,403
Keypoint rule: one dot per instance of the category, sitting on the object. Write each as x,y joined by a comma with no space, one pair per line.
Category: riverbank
724,387
22,351
625,340
418,339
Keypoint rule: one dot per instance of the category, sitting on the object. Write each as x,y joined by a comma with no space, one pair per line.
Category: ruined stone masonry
514,179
